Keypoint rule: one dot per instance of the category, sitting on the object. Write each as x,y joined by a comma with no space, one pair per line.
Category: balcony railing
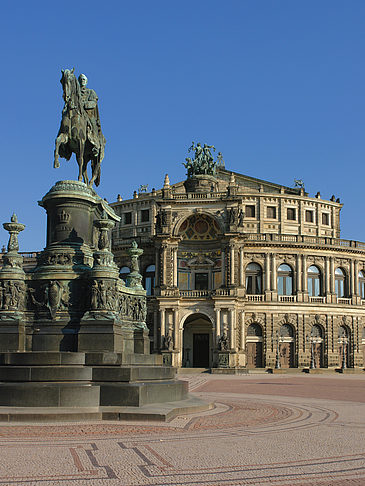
287,298
255,298
317,300
311,240
192,195
343,300
195,293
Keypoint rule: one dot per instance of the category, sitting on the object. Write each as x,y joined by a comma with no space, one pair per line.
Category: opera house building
243,273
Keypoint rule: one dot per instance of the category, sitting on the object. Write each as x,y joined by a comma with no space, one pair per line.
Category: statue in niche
223,342
232,216
168,342
241,216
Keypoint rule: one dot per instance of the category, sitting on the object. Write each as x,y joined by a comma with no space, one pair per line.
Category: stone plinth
201,183
71,333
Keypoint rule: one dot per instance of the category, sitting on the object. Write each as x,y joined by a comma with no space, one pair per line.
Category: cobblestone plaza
264,429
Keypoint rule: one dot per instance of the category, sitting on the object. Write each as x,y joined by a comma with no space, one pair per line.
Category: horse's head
68,81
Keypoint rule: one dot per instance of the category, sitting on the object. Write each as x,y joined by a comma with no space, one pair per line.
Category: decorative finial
14,228
166,182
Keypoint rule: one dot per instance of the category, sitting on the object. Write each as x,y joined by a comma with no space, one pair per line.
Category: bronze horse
75,132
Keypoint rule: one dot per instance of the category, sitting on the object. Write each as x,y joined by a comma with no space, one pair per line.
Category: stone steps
161,412
85,373
44,358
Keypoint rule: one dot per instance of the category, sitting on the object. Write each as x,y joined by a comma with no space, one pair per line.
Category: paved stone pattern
268,429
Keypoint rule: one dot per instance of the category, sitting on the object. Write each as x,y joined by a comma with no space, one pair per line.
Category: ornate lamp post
134,279
12,260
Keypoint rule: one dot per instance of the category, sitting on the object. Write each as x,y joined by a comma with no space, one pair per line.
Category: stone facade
242,272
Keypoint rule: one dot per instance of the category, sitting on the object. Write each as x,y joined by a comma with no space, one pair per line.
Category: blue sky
276,85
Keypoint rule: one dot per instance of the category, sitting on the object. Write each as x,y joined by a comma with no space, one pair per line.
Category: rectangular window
127,218
290,214
201,281
250,211
145,215
325,219
309,216
271,212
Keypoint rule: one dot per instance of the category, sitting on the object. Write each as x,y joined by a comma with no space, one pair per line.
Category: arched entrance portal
286,348
344,346
254,346
316,346
197,342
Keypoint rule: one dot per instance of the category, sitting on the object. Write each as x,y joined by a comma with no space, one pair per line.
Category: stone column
267,272
243,337
242,283
327,275
299,274
231,329
231,253
332,275
155,331
162,323
175,266
273,273
157,265
356,277
352,279
223,268
217,325
176,329
163,258
304,274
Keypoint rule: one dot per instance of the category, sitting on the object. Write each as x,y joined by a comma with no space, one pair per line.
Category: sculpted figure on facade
12,295
168,342
223,342
241,216
54,295
203,162
232,214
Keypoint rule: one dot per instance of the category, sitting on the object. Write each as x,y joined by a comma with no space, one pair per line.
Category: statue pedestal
72,335
201,183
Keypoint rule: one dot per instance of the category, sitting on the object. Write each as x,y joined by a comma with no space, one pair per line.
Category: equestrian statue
80,131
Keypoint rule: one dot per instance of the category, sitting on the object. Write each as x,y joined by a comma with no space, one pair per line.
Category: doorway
201,350
197,342
254,346
287,355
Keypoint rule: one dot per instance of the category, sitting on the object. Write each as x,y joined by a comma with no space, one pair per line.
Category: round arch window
362,284
285,280
340,282
253,279
314,281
